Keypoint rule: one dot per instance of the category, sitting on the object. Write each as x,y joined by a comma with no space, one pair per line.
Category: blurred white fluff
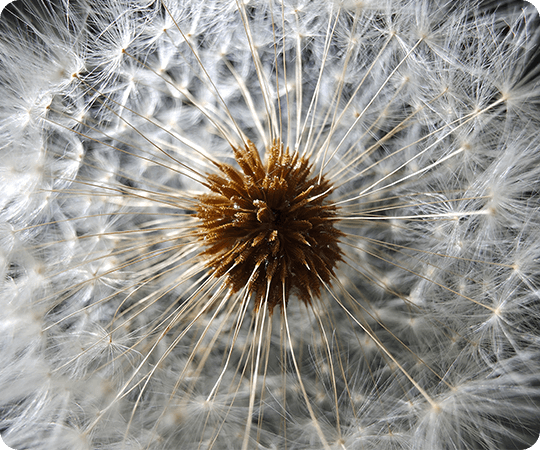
423,114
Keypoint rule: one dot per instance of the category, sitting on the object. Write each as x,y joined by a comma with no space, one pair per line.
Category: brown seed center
267,228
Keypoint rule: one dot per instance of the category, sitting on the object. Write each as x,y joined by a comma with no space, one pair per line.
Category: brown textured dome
267,228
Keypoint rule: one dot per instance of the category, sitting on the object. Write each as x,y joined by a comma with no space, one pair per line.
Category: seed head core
267,228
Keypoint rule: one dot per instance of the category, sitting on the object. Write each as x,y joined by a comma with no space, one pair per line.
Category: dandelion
269,225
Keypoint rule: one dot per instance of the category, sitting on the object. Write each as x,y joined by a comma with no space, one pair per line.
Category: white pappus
269,224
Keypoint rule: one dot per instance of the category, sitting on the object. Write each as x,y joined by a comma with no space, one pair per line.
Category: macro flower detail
268,229
278,224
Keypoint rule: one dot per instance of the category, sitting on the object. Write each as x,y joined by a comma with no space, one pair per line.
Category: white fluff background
424,116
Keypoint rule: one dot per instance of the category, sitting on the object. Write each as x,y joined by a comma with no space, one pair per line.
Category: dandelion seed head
174,170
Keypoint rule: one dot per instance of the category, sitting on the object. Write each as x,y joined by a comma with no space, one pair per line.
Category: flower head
281,224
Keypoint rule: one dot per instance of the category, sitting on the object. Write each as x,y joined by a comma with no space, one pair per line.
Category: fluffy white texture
423,115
